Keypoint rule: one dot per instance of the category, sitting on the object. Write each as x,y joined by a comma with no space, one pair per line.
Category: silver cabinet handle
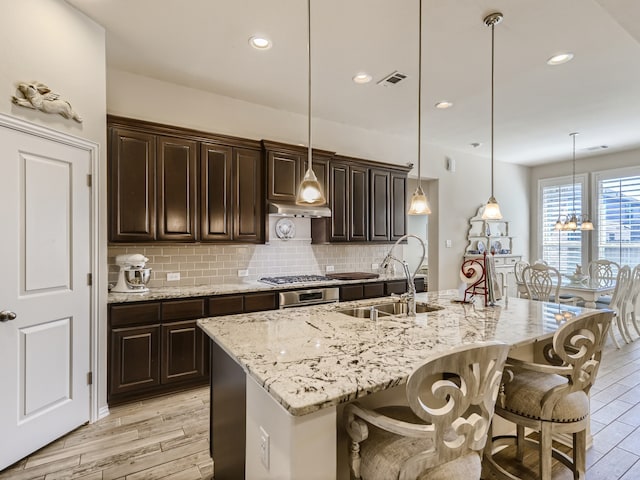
6,315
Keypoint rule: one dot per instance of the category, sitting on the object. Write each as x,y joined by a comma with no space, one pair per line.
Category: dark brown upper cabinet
174,184
216,192
367,201
176,195
380,201
286,165
398,206
132,171
248,196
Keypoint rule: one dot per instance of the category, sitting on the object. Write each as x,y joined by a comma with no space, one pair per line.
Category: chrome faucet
410,295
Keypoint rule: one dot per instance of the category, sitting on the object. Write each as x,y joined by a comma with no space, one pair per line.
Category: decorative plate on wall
285,229
481,246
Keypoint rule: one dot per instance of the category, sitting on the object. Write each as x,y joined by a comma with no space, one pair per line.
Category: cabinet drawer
511,260
132,314
183,309
419,283
256,302
351,292
227,305
397,286
372,290
498,261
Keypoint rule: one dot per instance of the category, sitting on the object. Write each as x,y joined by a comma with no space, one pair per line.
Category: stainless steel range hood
293,210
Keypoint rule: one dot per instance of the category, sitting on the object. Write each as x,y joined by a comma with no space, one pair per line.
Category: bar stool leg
545,451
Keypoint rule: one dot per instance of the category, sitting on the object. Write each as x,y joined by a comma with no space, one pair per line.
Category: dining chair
623,283
602,271
630,302
442,432
542,282
518,268
551,397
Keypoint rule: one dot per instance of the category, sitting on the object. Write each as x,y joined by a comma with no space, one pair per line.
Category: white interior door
45,259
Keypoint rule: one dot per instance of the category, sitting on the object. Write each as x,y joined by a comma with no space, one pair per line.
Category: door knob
6,315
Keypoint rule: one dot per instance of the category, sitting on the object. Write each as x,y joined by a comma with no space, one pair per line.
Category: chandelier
573,221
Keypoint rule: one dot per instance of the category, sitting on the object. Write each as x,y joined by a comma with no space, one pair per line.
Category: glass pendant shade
419,204
572,223
586,224
310,192
492,210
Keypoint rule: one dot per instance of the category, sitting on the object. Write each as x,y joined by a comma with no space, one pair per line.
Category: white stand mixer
133,277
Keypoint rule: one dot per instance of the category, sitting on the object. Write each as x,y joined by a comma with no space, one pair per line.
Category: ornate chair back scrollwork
603,272
552,397
442,433
542,282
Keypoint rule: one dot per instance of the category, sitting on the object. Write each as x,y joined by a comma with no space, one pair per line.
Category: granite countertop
163,293
310,358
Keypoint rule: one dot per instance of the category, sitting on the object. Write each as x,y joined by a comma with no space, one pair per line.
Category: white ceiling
204,44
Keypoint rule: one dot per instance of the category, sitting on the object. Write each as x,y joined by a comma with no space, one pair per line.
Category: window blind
560,249
618,222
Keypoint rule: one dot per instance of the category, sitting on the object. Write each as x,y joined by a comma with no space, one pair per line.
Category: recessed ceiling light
362,77
443,105
260,43
560,58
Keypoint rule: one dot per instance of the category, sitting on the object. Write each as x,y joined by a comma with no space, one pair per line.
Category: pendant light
309,192
573,220
492,209
419,204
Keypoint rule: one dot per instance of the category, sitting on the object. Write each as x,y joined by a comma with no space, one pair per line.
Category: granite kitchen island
279,378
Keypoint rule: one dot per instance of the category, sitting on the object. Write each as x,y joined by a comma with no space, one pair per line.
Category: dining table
589,289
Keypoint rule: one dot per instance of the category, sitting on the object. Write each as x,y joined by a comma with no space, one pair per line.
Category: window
561,249
618,216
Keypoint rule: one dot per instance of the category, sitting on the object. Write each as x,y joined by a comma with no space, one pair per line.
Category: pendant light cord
573,135
493,26
310,156
419,90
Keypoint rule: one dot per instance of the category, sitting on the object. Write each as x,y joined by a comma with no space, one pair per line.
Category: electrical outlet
243,273
173,276
264,448
330,268
374,266
448,243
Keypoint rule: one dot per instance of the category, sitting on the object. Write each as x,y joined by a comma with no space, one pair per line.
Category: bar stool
441,434
552,397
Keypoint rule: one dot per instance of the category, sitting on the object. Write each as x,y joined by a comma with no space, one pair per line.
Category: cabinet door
216,209
132,212
358,203
395,286
351,292
339,202
283,176
248,180
135,359
182,352
398,207
176,196
380,201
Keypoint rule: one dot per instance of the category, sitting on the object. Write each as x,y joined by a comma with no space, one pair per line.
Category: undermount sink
388,308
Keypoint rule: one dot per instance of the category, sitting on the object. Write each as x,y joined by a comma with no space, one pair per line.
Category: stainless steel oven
311,296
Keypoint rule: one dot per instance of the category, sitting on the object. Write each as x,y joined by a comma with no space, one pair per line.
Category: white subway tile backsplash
218,264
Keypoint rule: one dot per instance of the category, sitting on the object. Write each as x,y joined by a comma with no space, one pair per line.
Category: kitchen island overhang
300,365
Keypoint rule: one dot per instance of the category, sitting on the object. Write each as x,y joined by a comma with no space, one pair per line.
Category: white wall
50,41
588,165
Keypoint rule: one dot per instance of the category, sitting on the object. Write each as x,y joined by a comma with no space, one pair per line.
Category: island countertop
309,358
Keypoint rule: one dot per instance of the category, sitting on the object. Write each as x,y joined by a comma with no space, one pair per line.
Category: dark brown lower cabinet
135,359
182,347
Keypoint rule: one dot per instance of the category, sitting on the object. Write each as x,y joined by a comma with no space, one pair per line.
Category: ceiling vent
598,147
392,79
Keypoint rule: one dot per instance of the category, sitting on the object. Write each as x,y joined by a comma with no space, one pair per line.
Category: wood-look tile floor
167,437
